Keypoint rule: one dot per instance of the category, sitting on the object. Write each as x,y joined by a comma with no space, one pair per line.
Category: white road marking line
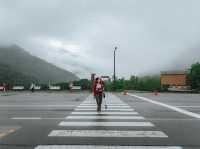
104,104
107,102
103,147
93,103
136,124
188,113
106,117
26,118
38,118
109,113
38,106
94,109
111,106
188,106
107,133
173,119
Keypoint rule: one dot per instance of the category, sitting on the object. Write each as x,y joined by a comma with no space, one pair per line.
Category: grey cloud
151,35
64,51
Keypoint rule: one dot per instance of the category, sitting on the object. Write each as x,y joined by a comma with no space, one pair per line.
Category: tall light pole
114,75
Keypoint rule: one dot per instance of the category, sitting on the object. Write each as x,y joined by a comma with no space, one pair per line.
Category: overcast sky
80,35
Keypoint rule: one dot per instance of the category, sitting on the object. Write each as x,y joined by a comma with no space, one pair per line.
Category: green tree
108,85
148,83
84,83
194,76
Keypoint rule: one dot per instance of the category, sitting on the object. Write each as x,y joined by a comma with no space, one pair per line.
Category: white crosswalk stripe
110,106
106,133
129,124
104,147
110,109
105,117
105,113
118,115
93,104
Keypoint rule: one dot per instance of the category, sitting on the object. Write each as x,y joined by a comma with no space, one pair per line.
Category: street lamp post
114,75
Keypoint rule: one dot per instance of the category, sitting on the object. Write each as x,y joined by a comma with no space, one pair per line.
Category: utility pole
114,76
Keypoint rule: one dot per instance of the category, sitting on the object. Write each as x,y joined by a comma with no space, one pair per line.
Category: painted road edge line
188,113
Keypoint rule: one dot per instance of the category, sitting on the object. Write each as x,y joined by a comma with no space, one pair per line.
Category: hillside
18,66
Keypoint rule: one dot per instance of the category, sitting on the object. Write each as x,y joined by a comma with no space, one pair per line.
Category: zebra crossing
85,121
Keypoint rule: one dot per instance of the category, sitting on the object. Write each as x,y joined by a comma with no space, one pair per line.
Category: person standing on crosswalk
98,89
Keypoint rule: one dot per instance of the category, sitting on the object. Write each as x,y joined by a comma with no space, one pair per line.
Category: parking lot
60,120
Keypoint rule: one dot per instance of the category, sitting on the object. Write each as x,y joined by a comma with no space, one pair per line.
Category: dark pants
99,101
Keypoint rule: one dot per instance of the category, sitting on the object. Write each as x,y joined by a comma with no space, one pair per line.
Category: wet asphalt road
27,119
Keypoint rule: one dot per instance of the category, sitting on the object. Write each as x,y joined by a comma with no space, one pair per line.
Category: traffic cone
156,93
125,93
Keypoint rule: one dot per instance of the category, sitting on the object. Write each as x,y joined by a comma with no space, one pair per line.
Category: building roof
173,72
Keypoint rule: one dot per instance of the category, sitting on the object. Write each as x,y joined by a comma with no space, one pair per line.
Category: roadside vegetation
194,76
144,83
152,83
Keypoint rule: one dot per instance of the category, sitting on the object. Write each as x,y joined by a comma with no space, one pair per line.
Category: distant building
54,87
18,88
35,87
1,88
74,88
174,80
